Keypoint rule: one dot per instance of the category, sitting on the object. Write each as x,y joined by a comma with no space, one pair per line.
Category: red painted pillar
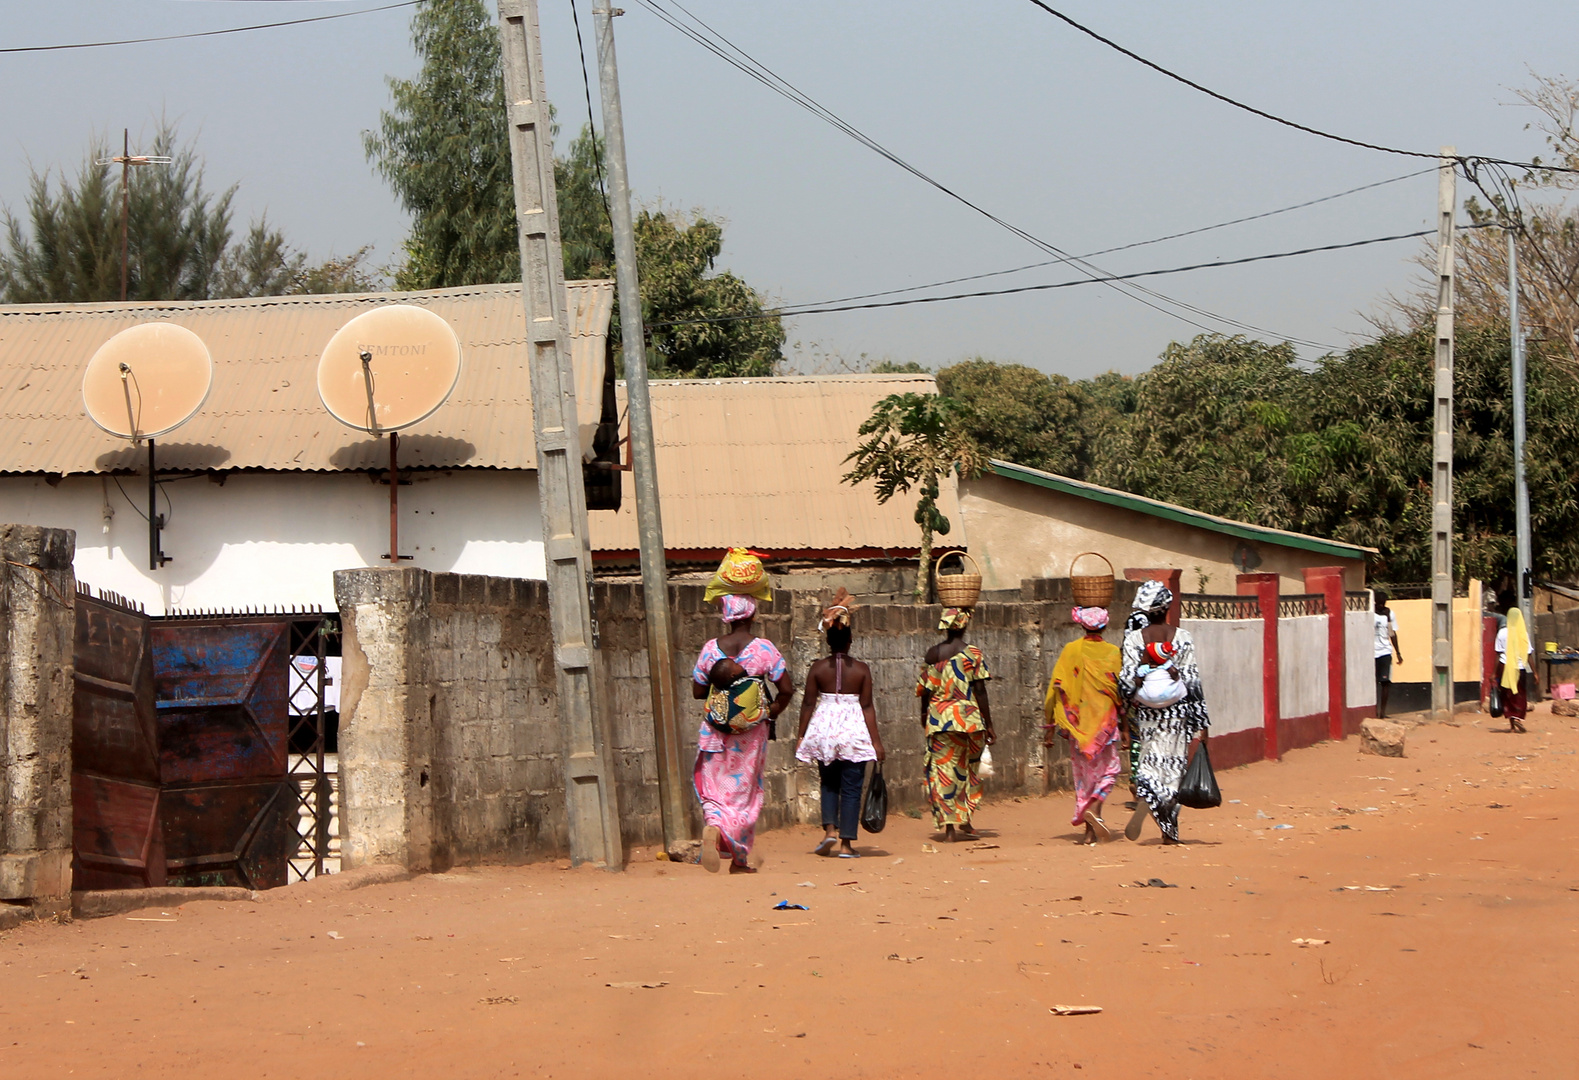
1488,657
1328,580
1170,578
1265,588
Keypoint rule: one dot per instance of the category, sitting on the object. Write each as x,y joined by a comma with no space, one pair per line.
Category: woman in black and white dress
1161,738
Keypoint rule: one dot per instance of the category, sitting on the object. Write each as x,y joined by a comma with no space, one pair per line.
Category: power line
586,85
824,307
732,54
1136,244
208,33
1462,159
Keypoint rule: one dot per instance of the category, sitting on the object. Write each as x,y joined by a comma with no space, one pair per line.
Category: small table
1555,661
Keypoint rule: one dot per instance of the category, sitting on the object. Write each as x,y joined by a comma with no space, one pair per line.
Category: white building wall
1359,628
1302,665
266,539
1228,652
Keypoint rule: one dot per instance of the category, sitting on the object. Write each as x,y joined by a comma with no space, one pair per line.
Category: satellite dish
147,380
389,368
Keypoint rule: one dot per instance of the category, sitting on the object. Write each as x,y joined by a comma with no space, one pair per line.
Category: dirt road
1441,889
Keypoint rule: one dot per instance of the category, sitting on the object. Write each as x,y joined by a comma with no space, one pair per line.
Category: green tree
914,441
1021,415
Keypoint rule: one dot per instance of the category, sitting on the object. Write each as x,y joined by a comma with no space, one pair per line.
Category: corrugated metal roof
264,412
757,462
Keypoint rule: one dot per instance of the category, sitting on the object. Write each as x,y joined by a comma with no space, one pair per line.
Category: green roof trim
1170,512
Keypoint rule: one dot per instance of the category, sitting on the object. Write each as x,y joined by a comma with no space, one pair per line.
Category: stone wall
37,626
450,735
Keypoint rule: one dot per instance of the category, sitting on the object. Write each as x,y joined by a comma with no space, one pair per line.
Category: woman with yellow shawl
1513,640
1082,706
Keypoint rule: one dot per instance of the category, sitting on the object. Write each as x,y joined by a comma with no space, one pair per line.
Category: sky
1045,128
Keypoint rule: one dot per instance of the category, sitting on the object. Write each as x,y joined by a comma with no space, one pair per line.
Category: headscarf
955,618
1092,618
837,613
1152,596
1518,651
737,608
741,574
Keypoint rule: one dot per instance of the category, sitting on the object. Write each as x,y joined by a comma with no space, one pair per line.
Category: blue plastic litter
785,905
1282,826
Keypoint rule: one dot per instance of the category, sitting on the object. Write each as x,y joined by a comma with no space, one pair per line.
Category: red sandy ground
908,963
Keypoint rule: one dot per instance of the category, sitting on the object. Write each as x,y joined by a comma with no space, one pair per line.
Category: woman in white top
1514,637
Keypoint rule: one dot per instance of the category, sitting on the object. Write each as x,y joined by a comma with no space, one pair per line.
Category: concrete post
38,623
1264,587
386,718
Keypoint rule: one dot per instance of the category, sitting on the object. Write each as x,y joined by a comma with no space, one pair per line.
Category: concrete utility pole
1442,449
590,800
1521,490
644,466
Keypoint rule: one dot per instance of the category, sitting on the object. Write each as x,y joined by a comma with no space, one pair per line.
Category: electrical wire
1136,244
586,85
1462,159
208,33
792,310
732,54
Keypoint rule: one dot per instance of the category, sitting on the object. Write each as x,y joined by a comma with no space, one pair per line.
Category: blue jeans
841,795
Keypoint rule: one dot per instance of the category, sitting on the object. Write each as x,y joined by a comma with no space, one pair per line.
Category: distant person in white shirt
1386,649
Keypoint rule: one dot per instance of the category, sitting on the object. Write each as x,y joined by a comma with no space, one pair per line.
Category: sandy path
1462,965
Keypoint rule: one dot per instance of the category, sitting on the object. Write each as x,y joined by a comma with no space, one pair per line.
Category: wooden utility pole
590,799
126,160
1442,449
644,466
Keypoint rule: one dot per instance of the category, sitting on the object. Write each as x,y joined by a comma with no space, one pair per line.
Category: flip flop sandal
849,854
1098,826
1136,820
825,847
709,857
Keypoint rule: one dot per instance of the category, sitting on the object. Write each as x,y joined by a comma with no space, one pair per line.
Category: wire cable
586,85
208,33
732,54
1462,159
792,310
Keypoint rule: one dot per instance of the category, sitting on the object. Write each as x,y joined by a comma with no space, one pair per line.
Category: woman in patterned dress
1160,745
728,770
838,731
957,719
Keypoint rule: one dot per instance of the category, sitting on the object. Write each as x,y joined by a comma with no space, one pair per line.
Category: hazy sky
1039,124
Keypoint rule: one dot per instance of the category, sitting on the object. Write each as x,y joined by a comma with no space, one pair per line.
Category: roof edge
1173,512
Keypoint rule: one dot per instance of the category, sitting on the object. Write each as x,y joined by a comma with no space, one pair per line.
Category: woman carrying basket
955,714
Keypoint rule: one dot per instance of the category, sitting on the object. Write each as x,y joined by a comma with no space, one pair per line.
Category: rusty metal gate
183,770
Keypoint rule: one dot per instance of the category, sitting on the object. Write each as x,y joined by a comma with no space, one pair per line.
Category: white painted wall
1359,636
1302,665
1228,652
266,539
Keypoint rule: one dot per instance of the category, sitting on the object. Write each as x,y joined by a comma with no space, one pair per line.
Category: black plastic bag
874,807
1199,790
1495,702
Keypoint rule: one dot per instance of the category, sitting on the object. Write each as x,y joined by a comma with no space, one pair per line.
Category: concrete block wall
37,627
450,735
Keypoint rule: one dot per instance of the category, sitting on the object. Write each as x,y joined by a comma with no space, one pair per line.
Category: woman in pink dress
838,731
728,771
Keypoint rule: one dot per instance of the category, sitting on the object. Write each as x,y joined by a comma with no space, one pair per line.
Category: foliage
1022,414
913,441
178,240
894,367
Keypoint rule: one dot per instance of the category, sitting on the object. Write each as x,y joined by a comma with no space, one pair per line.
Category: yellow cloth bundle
740,574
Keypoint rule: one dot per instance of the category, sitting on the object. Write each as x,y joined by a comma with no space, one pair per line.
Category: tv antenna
385,370
127,160
145,382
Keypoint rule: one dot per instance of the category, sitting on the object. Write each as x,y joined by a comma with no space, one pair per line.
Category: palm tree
914,440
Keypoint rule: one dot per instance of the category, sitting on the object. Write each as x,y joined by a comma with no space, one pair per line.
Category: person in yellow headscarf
1514,640
957,719
1083,705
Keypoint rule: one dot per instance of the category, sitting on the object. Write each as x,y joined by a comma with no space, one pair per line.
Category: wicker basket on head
1091,590
959,590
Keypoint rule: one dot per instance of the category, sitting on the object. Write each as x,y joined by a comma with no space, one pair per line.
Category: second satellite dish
389,368
147,380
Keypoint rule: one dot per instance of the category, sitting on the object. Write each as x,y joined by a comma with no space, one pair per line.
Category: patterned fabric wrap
728,784
1095,775
1153,596
1092,618
1162,736
951,782
954,618
737,608
838,612
1082,696
759,658
952,707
